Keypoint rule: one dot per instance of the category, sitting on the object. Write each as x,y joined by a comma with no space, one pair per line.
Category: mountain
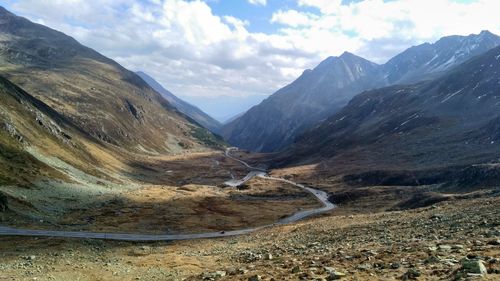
320,92
75,125
430,60
315,95
449,121
99,96
188,109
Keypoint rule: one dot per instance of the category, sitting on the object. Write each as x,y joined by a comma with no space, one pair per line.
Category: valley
356,170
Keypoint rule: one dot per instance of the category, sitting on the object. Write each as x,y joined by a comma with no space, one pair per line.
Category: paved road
256,172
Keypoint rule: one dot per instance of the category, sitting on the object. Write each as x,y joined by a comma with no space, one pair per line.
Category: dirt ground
429,242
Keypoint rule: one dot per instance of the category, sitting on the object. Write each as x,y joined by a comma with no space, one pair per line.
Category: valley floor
376,233
426,243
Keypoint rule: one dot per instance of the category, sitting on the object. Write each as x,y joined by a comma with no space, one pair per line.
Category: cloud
293,18
258,2
195,52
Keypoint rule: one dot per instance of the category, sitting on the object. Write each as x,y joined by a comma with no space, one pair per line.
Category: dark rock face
452,120
323,91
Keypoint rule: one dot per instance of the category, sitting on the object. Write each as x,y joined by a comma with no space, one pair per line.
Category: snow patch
451,95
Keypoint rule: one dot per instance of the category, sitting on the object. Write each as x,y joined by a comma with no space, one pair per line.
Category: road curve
255,172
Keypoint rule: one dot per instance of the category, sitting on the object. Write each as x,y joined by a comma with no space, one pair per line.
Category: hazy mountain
315,95
452,120
190,110
320,92
96,94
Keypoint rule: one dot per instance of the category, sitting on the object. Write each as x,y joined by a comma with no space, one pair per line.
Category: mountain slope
321,92
98,95
316,94
190,110
429,60
450,121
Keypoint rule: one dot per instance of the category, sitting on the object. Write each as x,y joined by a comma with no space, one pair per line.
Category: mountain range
323,91
445,127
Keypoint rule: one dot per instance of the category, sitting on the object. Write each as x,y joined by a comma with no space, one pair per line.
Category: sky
227,55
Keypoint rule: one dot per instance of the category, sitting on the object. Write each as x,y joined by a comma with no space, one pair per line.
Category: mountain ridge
449,121
326,90
190,110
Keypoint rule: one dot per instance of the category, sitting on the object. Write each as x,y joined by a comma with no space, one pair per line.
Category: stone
432,259
335,275
444,248
268,257
395,265
364,266
495,242
329,269
242,270
473,266
411,274
219,274
255,278
295,269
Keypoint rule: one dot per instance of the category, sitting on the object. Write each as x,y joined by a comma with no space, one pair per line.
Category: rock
457,247
433,248
432,259
295,269
242,270
437,217
219,274
268,257
395,265
364,266
473,266
335,275
444,248
329,269
255,278
495,242
412,273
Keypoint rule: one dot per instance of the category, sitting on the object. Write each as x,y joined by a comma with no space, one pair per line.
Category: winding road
255,172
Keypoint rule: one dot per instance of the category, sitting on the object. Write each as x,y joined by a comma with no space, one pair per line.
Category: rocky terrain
323,91
455,240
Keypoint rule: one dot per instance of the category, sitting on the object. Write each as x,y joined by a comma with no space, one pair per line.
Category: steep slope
428,61
98,95
319,93
450,121
188,109
315,95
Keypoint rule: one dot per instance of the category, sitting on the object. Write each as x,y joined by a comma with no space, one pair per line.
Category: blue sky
227,55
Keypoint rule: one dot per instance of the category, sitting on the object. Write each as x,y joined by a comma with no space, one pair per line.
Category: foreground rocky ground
451,240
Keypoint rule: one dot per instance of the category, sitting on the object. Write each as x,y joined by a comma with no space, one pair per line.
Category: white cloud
258,2
194,52
293,18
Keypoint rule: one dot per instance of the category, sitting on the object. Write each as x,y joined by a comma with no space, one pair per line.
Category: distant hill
319,93
190,110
